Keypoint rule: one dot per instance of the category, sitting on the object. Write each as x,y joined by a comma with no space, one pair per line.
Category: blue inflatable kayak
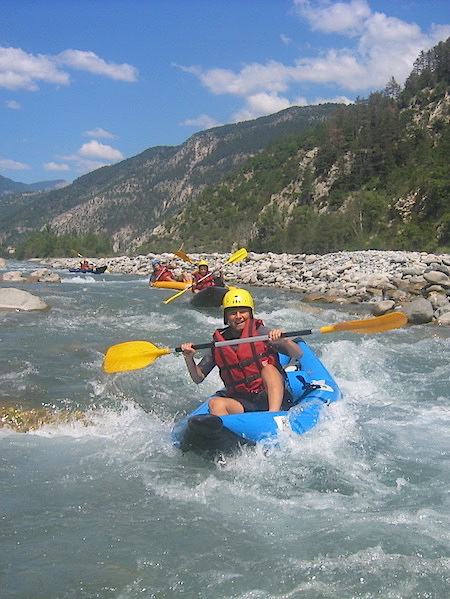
313,388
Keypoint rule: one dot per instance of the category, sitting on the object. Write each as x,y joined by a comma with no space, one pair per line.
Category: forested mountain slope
375,175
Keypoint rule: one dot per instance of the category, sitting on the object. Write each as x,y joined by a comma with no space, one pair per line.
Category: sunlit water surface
105,507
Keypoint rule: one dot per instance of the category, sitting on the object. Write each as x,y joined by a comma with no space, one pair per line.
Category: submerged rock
22,421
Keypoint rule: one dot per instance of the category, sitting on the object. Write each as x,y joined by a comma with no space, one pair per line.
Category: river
104,506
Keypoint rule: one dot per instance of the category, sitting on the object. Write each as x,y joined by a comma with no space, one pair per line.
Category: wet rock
370,276
44,275
23,421
419,311
443,318
383,307
22,301
14,276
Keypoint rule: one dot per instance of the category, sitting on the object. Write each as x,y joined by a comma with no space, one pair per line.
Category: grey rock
436,277
17,299
14,276
419,311
383,307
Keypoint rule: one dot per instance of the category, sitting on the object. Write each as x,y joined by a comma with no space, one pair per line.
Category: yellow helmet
237,298
202,263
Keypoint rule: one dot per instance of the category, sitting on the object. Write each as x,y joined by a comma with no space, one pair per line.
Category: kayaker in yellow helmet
203,278
251,372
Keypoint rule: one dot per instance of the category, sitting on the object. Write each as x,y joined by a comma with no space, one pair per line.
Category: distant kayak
180,285
210,297
98,270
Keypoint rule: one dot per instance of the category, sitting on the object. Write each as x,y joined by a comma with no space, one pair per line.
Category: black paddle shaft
246,340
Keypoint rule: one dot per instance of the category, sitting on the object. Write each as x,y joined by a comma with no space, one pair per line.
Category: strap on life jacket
164,274
206,280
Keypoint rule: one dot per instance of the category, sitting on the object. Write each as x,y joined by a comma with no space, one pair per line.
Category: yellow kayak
180,285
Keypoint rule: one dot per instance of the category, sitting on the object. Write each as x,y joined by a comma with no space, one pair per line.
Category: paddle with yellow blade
182,255
133,355
236,257
75,253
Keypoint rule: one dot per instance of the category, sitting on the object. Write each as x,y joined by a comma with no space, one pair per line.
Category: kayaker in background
163,272
254,380
84,265
204,278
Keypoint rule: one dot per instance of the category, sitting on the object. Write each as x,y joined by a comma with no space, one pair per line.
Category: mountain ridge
154,183
8,186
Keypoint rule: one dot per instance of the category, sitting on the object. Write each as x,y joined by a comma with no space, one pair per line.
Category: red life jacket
208,281
240,365
164,274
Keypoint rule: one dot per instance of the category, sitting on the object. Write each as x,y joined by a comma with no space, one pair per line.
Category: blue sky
84,83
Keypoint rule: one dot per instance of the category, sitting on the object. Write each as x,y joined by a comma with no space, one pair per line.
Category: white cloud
203,120
98,151
91,156
88,61
334,17
13,105
260,104
100,133
379,47
21,70
54,166
12,165
273,76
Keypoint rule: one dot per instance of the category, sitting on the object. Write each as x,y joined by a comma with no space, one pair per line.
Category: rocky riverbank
416,282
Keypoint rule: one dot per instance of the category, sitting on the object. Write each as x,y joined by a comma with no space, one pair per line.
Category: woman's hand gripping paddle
236,257
133,355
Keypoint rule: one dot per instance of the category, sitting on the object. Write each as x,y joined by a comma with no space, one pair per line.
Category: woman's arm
284,345
188,352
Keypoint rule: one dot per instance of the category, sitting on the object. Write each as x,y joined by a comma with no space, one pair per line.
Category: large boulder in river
14,276
16,299
44,275
418,311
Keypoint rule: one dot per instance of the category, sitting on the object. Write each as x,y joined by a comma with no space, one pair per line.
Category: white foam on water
357,507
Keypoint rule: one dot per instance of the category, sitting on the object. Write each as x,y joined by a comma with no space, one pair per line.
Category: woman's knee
215,402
